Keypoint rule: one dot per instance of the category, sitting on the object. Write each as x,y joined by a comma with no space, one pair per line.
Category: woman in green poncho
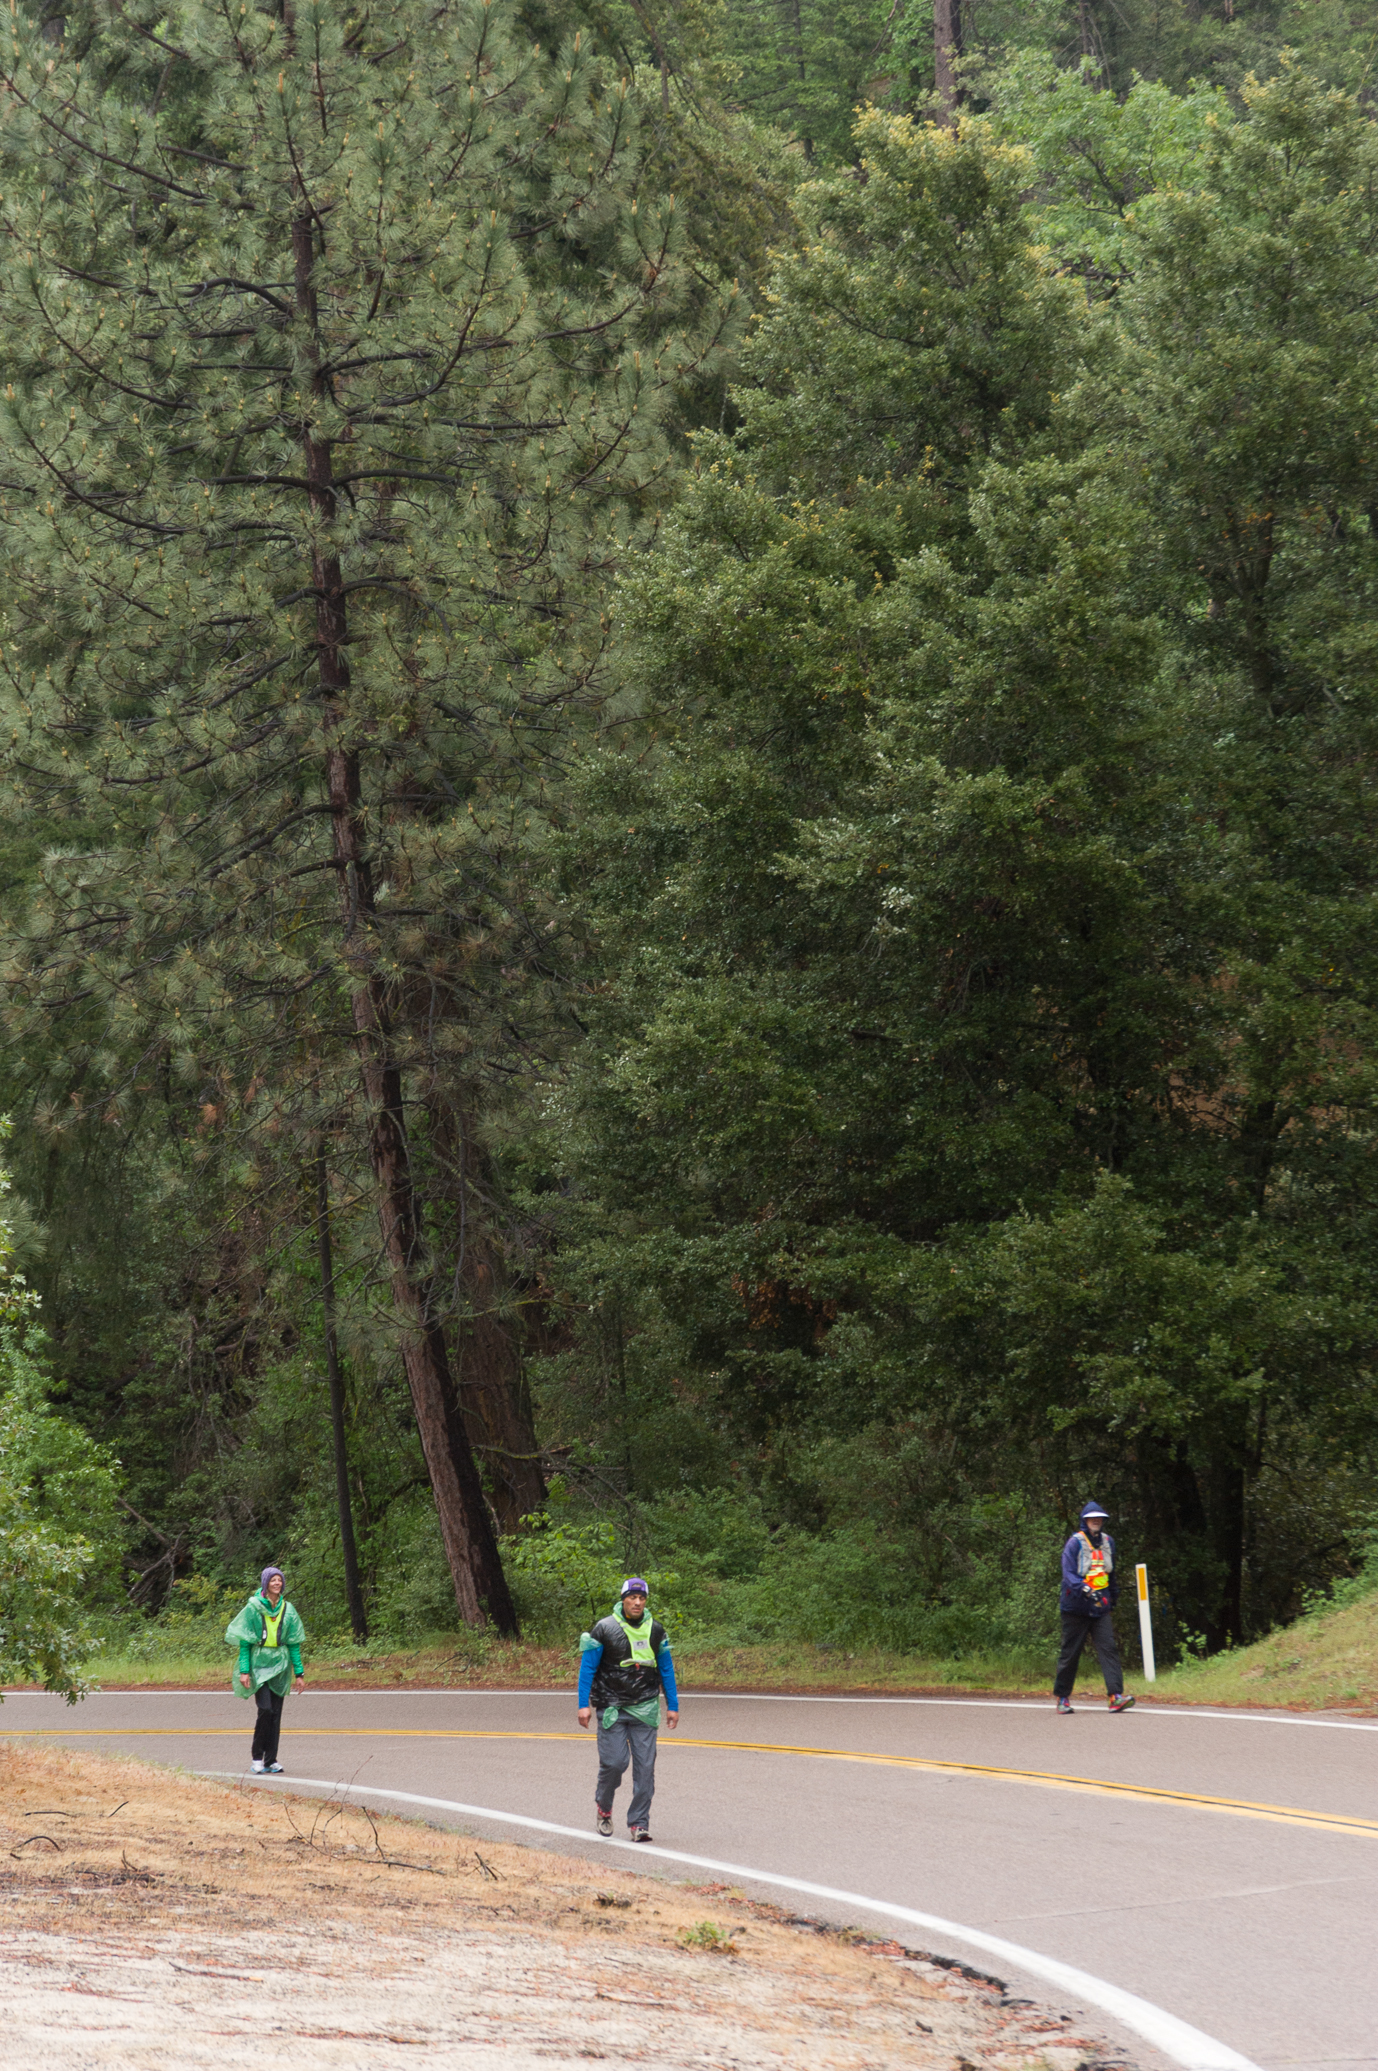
269,1634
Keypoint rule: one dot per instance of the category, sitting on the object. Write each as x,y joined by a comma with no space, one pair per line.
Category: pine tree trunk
947,48
494,1398
358,1617
466,1528
496,1401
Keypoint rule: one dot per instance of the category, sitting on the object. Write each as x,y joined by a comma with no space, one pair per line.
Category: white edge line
1150,1710
1177,2039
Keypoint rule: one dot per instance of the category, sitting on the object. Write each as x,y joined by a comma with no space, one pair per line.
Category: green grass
184,1661
1328,1660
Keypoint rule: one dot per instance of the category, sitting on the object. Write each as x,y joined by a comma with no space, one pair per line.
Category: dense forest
691,848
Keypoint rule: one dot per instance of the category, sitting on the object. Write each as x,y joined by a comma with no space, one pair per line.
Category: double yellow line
1043,1779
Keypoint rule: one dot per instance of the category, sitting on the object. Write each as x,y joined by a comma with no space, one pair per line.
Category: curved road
1223,1866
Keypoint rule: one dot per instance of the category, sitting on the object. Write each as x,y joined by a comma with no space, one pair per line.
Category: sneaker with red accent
1121,1702
1064,1704
604,1820
638,1833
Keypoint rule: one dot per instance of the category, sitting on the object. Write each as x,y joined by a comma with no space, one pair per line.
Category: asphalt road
1254,1917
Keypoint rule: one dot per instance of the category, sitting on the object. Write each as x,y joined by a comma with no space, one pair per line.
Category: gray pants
1076,1631
623,1741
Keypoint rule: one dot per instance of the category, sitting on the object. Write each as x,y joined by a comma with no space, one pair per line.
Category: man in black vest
624,1664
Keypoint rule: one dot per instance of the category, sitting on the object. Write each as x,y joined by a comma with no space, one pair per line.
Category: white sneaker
256,1768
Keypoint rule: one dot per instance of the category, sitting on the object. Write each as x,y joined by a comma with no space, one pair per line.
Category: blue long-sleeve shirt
593,1654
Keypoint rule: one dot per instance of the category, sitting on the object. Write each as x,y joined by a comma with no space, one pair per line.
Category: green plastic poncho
270,1668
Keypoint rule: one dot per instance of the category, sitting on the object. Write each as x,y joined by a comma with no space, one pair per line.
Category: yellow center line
1044,1779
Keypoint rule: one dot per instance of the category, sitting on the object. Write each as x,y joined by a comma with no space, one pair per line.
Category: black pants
1076,1631
268,1725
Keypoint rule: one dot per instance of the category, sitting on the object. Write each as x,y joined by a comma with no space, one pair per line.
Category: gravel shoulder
150,1919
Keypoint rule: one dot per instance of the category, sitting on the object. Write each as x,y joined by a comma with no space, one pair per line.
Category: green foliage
983,1044
43,1637
346,420
804,66
563,1571
916,329
57,1509
871,936
708,1936
1098,154
164,605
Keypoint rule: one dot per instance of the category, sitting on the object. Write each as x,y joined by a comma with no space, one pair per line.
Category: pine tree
338,346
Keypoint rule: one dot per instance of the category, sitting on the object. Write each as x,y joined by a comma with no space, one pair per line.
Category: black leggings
1076,1631
268,1725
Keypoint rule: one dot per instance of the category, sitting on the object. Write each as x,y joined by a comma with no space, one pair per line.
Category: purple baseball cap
633,1586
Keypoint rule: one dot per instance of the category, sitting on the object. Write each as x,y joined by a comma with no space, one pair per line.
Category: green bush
563,1573
721,1575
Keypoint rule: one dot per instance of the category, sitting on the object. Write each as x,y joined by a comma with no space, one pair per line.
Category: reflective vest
272,1623
640,1638
1097,1575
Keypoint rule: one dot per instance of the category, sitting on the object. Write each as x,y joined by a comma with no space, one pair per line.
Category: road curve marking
1043,1779
1153,1707
1177,2039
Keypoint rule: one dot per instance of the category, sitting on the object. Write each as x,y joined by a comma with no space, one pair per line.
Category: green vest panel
640,1639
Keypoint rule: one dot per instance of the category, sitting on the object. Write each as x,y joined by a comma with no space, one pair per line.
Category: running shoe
256,1768
638,1833
1121,1703
604,1820
1064,1704
272,1768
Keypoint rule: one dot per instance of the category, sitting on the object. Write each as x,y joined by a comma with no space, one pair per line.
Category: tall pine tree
338,344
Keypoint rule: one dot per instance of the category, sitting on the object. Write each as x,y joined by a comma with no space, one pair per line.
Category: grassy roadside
1328,1661
491,1664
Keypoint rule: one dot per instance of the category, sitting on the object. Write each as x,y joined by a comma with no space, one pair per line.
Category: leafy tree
985,1045
337,349
804,67
57,1494
916,330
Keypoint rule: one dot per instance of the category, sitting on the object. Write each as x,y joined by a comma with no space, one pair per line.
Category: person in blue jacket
624,1665
1090,1589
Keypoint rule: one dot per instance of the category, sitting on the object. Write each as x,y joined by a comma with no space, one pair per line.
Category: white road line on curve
1177,2039
1150,1711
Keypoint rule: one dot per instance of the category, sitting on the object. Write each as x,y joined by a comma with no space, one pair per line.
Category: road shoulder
138,1901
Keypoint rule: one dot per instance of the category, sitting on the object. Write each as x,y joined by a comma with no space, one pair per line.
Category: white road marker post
1145,1624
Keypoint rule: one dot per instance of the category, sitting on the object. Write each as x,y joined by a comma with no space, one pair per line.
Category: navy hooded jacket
1077,1600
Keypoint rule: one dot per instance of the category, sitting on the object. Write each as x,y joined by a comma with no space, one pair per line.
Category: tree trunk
947,48
494,1398
466,1528
802,69
358,1618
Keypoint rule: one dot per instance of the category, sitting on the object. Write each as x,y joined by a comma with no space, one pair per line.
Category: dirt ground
149,1919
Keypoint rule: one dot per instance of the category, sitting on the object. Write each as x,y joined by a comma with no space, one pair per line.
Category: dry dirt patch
148,1919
